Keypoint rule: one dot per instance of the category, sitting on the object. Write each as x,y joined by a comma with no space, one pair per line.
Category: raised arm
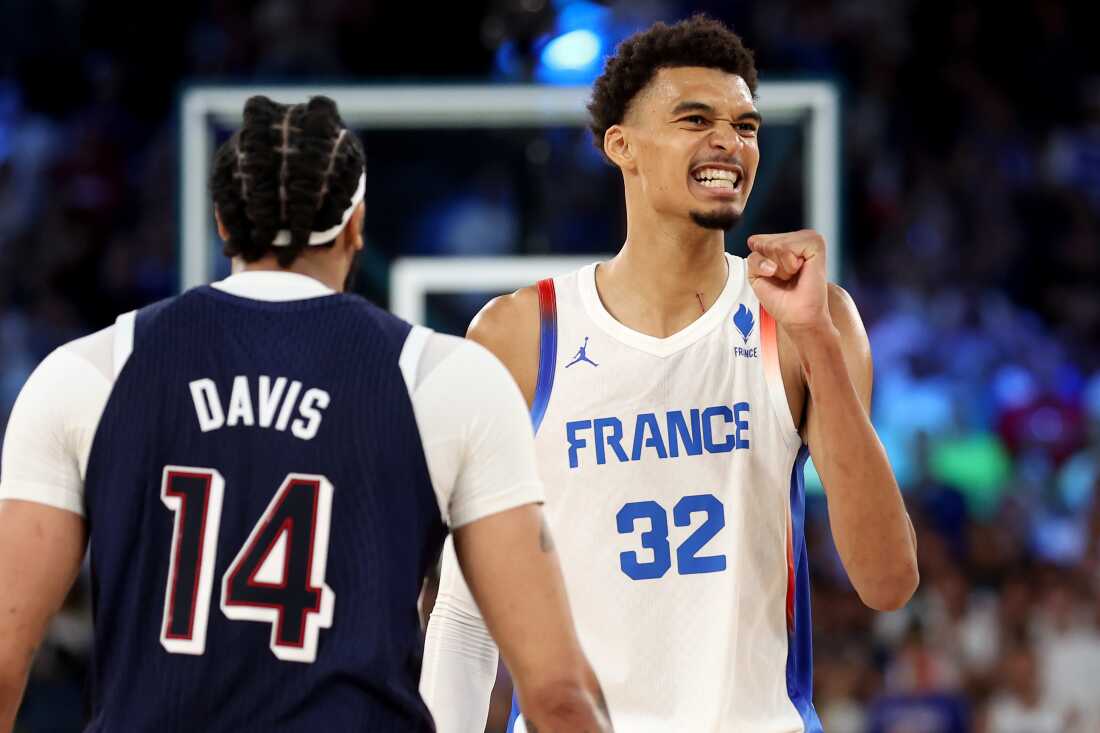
824,341
870,526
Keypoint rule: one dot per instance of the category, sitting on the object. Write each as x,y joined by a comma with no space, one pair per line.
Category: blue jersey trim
548,363
514,715
548,350
800,663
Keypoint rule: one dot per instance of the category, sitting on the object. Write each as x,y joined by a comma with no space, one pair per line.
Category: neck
666,274
318,263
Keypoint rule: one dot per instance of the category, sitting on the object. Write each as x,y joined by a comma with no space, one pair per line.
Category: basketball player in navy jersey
265,469
675,391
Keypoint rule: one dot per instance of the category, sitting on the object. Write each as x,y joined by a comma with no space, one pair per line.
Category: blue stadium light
580,14
572,51
567,49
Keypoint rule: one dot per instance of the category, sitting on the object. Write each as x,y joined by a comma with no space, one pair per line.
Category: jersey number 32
655,539
277,577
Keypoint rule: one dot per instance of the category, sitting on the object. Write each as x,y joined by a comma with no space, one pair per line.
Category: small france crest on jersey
744,322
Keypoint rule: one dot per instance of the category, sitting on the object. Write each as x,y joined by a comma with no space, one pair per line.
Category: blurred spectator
1020,708
1069,649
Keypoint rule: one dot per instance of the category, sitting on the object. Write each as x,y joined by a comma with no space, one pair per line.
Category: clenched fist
787,273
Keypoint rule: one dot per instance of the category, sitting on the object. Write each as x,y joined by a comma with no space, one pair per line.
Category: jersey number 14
277,577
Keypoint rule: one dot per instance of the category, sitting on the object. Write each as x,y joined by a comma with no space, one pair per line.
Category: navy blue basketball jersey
261,518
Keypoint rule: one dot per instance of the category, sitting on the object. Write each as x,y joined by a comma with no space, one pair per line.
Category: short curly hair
697,41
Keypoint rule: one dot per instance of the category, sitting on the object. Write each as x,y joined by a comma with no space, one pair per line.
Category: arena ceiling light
572,51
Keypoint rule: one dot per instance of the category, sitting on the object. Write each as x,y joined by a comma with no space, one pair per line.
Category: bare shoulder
508,326
499,318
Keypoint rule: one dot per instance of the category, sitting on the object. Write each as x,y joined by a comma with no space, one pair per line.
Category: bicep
41,549
856,349
49,434
479,436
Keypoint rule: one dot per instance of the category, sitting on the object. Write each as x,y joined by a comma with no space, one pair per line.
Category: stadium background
971,195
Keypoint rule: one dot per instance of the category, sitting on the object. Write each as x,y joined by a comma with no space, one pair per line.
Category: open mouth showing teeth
718,178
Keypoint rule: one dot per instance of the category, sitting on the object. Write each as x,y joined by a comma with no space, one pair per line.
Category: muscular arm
870,526
826,360
41,548
509,561
42,531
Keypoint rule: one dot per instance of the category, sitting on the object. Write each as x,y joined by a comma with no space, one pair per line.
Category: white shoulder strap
124,340
411,353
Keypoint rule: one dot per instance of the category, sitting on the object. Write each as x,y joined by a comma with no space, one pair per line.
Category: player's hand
787,272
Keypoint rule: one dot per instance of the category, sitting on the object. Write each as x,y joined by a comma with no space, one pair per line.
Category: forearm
572,707
12,685
40,552
867,516
509,562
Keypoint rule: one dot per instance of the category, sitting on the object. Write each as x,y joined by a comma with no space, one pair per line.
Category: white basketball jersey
673,475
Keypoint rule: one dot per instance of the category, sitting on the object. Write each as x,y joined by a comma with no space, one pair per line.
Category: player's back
260,517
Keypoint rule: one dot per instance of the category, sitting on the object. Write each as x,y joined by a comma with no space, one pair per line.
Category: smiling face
690,140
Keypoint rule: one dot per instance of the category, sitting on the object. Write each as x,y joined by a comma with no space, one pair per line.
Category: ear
617,146
222,231
353,232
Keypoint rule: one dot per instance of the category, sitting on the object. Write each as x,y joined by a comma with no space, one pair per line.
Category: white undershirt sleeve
50,431
475,429
460,656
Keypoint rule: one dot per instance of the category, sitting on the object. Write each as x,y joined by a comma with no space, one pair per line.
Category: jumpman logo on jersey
582,355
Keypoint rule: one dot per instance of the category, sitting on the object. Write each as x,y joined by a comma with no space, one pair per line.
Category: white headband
282,237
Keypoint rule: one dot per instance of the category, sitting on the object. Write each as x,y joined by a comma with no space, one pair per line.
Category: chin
721,219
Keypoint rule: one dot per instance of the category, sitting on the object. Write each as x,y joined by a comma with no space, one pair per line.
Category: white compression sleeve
460,657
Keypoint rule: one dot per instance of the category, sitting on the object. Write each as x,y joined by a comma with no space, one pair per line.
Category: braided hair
289,167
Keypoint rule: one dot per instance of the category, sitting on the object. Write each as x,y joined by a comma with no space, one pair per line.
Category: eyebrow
693,106
689,106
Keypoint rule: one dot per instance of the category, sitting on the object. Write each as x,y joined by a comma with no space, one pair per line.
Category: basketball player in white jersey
676,391
288,190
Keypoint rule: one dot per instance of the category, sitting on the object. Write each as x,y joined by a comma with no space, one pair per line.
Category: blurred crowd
972,246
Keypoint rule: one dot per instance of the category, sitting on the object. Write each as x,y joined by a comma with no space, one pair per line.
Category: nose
724,137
